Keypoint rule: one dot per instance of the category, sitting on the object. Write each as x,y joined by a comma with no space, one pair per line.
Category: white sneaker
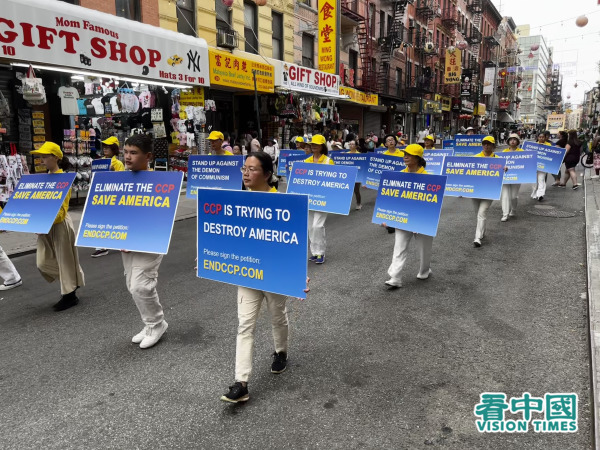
140,336
6,287
504,219
359,207
153,334
391,284
595,177
424,276
477,243
512,214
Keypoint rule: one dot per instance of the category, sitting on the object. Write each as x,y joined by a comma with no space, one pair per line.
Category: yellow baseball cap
48,148
214,135
414,149
111,141
318,139
430,137
299,139
489,139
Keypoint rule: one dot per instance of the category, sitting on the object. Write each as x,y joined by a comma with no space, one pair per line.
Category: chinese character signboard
192,97
233,71
327,35
452,69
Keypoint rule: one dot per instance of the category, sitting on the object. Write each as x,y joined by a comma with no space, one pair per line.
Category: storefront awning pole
256,106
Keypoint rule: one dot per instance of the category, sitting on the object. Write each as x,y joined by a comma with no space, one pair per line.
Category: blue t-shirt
81,106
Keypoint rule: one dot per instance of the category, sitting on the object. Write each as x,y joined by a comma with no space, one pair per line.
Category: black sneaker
67,301
540,198
279,362
391,230
237,393
99,253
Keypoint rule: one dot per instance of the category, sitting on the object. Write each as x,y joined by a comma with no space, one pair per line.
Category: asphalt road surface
368,368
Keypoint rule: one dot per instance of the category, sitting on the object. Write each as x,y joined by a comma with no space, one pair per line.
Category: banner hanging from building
328,12
453,66
488,80
59,34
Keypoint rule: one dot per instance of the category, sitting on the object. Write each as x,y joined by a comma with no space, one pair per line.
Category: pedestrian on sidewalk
539,189
354,149
316,219
482,205
56,255
141,269
572,159
509,196
391,142
8,272
258,175
110,148
563,137
415,163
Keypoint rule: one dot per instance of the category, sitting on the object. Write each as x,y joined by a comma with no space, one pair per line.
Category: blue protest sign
439,152
329,187
549,157
213,172
242,236
435,164
130,211
359,160
379,164
410,201
291,159
380,150
35,202
101,165
522,167
448,143
468,144
474,177
283,155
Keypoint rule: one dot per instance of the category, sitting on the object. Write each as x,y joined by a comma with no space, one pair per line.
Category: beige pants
8,272
481,206
509,197
57,256
141,276
249,304
316,232
402,240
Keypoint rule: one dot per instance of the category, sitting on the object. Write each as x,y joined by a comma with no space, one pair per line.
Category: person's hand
506,169
307,290
384,225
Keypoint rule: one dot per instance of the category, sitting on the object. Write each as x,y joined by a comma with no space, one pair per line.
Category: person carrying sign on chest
141,269
216,139
354,149
257,176
510,192
56,256
390,142
539,189
316,219
413,158
482,205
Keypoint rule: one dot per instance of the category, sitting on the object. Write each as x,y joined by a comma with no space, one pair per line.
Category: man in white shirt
254,144
421,136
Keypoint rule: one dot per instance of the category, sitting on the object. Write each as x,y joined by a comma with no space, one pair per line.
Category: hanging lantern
228,3
451,49
534,47
462,45
581,21
530,55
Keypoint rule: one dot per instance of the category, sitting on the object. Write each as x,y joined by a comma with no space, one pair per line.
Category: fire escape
358,11
474,37
395,38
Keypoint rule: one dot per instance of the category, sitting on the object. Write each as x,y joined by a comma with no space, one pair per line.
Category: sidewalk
16,244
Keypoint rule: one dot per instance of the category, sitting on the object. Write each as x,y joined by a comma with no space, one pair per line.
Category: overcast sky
577,48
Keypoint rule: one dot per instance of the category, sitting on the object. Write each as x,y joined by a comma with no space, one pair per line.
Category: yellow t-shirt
225,153
323,159
397,152
421,170
493,155
518,149
64,208
116,165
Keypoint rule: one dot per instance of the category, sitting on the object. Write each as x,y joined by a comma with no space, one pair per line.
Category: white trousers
316,232
249,304
481,206
539,189
509,198
8,272
402,240
141,276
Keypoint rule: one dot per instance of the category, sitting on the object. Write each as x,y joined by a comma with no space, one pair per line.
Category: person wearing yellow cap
415,163
510,192
482,205
429,142
57,256
302,145
110,148
539,189
391,143
216,139
316,219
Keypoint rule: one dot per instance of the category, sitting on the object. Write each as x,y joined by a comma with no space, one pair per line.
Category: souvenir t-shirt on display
98,106
68,100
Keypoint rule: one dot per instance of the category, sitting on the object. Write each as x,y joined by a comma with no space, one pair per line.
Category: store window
372,18
251,24
129,9
277,35
186,17
381,24
308,50
353,64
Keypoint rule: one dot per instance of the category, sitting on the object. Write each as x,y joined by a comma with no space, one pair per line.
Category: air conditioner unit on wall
227,39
